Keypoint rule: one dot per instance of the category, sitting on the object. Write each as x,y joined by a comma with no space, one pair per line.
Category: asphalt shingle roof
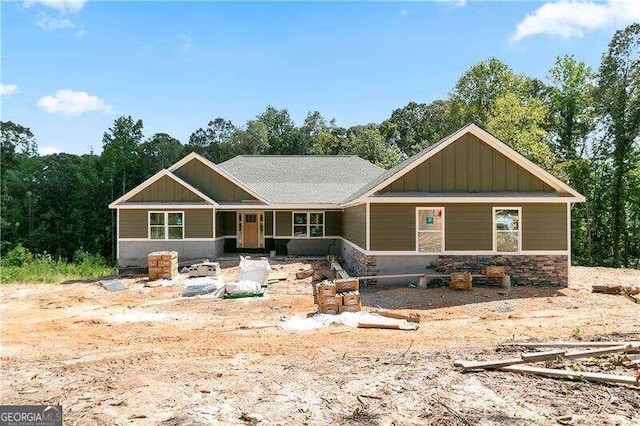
293,179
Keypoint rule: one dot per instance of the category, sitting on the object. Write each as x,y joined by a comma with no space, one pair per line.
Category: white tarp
203,285
254,270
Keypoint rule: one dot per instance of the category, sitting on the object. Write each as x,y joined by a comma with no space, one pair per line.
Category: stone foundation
530,270
356,263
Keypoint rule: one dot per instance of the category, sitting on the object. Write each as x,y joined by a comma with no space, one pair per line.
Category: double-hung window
308,224
506,229
430,229
166,225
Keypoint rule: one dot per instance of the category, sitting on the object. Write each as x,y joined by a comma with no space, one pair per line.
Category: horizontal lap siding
393,227
333,223
468,164
133,223
354,225
165,189
211,183
545,227
469,226
283,224
198,223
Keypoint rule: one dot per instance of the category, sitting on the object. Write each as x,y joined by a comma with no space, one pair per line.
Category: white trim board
217,169
456,252
493,142
155,178
162,207
464,200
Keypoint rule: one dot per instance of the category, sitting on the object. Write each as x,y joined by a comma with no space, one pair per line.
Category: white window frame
494,229
308,224
418,231
165,225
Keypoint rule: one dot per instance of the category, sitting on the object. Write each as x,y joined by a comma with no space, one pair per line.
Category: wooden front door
250,234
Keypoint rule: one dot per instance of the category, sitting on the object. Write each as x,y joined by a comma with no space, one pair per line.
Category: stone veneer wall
356,263
542,270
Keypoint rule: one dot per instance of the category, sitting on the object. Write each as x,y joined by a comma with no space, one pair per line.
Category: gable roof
302,179
410,163
216,168
155,178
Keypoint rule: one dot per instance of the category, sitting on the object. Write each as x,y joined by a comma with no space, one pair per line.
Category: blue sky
69,68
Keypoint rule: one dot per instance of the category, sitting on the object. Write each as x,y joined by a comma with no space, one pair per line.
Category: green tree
121,154
282,134
416,126
207,142
618,97
476,91
367,142
160,152
520,124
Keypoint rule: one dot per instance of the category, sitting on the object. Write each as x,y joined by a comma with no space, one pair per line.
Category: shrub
17,256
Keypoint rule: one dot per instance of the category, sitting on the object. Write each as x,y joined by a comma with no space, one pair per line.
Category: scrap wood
607,289
631,297
411,317
304,274
483,365
278,275
401,326
573,375
572,344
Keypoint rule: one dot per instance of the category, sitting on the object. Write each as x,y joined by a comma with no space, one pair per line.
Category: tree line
582,124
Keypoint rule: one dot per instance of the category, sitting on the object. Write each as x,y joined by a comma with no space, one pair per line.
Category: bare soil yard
147,356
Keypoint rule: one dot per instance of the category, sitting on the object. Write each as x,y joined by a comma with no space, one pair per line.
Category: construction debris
162,264
301,275
627,291
409,318
214,287
338,296
528,358
205,269
112,285
570,344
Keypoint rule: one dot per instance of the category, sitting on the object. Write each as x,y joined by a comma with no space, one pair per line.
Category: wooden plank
541,356
400,326
483,365
573,375
573,344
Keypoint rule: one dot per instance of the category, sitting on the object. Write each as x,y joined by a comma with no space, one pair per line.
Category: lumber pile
162,264
631,292
338,296
516,364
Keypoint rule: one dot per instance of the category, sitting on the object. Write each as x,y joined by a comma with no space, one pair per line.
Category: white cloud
456,3
404,12
49,23
67,6
49,150
8,89
70,102
568,19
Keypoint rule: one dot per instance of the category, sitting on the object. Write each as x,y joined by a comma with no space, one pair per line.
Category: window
166,225
430,230
506,225
308,224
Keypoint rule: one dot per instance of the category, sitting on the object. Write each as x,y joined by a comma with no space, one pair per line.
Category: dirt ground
147,356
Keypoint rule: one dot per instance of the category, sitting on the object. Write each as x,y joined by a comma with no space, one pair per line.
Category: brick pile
338,296
162,264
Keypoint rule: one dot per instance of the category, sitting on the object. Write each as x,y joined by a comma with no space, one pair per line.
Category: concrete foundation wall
134,253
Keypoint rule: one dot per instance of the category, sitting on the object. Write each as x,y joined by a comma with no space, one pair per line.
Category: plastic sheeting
254,270
243,287
204,285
